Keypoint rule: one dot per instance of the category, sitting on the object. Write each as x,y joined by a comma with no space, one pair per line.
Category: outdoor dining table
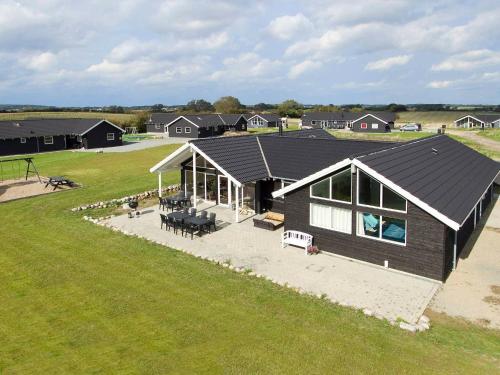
179,200
197,223
178,215
58,181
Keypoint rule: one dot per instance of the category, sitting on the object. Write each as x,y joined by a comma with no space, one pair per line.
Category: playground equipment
14,172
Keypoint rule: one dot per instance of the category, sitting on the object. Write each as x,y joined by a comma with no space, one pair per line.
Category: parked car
411,128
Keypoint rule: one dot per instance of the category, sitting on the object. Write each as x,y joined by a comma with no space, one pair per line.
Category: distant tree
263,107
393,107
228,104
326,108
114,109
199,105
157,108
291,108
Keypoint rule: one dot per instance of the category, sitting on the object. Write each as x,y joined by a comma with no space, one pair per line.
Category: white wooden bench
296,238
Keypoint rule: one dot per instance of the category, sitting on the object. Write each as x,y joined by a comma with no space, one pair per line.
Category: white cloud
360,85
41,62
440,84
469,60
248,65
390,62
303,67
286,27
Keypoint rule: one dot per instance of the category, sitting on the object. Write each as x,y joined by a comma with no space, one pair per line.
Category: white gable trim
173,155
192,147
405,194
250,119
311,178
100,122
178,118
369,114
475,118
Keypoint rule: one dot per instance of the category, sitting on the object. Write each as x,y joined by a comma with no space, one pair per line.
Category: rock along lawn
79,298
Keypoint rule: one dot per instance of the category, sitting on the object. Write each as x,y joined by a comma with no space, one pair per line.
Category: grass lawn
79,298
430,117
113,117
490,133
136,137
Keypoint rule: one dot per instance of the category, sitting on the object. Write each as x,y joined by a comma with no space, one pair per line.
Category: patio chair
185,210
176,224
211,222
161,203
164,220
192,212
203,214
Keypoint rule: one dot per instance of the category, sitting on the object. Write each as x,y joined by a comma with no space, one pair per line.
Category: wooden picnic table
58,181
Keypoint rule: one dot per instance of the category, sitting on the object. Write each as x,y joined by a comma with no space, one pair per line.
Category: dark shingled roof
270,117
304,133
347,116
44,127
450,179
162,118
295,158
239,156
230,118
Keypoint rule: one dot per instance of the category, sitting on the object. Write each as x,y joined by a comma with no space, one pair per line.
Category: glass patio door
223,190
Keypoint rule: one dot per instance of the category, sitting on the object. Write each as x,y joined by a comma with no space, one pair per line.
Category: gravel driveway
140,145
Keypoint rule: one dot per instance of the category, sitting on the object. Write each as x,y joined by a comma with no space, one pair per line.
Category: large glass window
336,187
321,189
341,186
392,200
369,190
381,227
373,193
333,218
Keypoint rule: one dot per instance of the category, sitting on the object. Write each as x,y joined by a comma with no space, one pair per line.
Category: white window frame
157,126
110,136
22,140
187,130
46,137
330,189
178,130
359,213
380,207
311,204
374,125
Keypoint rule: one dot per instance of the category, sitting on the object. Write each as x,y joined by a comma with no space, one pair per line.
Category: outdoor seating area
183,217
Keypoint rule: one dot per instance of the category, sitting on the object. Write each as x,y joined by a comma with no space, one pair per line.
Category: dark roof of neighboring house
162,118
46,127
295,158
347,116
269,117
443,173
304,133
240,156
230,118
487,118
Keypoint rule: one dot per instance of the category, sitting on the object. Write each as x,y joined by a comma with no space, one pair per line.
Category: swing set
14,171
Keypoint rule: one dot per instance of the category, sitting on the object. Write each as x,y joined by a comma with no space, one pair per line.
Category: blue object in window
394,232
370,222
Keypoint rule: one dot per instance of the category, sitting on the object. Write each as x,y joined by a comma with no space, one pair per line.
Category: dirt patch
492,300
495,289
17,189
493,229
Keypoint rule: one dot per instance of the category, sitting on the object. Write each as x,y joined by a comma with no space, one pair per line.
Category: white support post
237,204
194,180
455,252
475,216
159,185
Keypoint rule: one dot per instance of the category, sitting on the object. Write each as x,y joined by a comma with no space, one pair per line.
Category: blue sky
136,52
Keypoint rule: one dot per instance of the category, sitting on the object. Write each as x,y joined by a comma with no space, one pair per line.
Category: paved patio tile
386,293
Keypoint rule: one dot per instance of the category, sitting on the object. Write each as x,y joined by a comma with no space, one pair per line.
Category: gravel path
473,136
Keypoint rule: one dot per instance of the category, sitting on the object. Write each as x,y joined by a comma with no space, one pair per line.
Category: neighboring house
157,122
40,135
264,120
491,120
374,122
414,215
328,120
357,121
195,126
202,126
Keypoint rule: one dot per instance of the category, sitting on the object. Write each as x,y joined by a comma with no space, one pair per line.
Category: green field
117,118
429,117
493,134
392,136
79,298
